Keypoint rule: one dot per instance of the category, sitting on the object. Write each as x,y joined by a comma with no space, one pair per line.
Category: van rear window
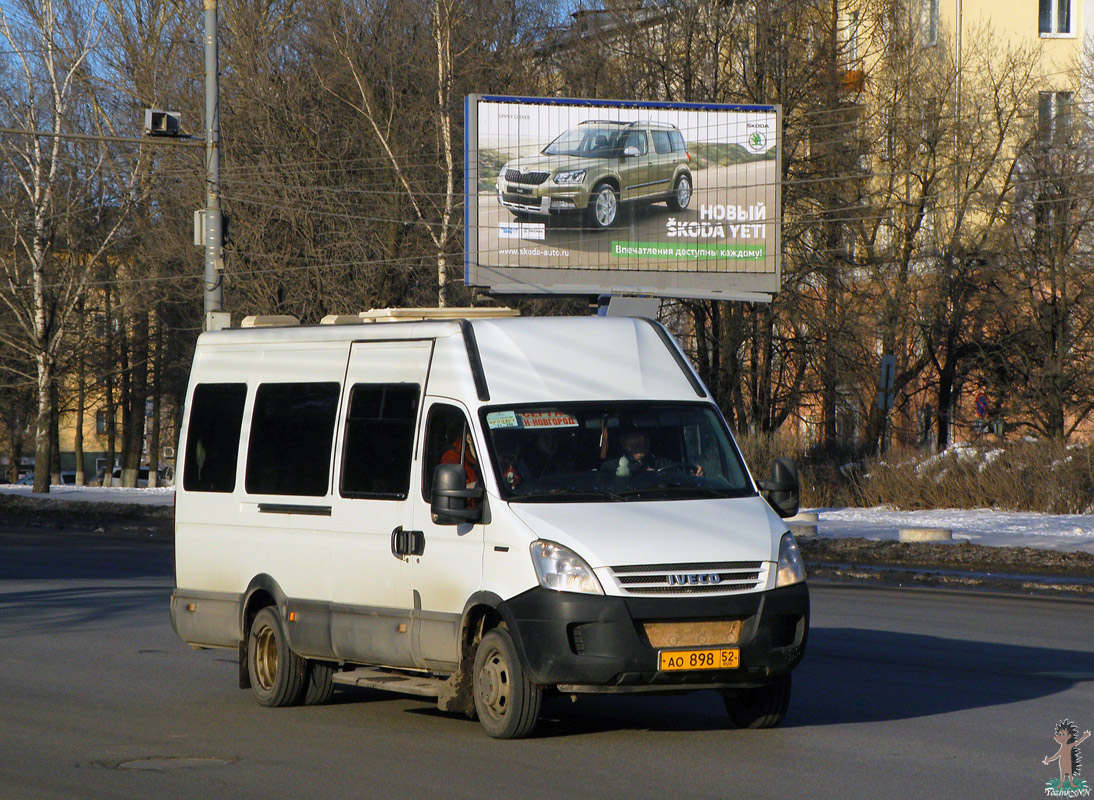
212,439
292,429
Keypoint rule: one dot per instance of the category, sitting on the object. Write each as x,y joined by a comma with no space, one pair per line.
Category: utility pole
214,240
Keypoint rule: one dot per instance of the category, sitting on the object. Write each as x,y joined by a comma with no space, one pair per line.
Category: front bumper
543,199
594,643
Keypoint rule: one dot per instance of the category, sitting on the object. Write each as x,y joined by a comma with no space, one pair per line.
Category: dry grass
1019,476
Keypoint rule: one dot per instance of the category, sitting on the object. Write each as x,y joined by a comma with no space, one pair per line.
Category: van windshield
586,140
604,452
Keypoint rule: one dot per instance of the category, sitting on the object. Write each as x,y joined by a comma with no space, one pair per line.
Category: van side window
661,142
448,441
677,141
379,440
212,440
292,429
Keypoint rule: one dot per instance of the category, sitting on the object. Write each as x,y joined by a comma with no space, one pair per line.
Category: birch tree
47,86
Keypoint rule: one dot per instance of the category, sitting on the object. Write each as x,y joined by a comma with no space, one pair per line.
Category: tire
681,194
506,702
763,707
603,206
318,682
277,673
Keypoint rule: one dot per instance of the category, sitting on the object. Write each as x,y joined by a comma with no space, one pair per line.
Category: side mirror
451,500
630,152
783,490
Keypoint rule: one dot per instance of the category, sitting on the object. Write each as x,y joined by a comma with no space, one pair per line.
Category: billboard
567,196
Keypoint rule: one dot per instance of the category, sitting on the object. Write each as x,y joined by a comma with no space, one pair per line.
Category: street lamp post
214,241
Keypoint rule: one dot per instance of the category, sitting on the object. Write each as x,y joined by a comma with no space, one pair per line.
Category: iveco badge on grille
694,579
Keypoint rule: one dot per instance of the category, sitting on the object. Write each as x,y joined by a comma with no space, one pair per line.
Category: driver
638,458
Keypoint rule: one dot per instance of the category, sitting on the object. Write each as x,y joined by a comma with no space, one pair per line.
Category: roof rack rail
423,314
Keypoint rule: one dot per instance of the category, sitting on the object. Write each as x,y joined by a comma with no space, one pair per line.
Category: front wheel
277,673
603,206
681,194
762,707
507,703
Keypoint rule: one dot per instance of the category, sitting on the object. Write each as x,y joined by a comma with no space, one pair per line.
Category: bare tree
51,41
1047,345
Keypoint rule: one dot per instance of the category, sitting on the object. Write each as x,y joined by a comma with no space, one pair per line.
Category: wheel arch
482,612
609,178
262,591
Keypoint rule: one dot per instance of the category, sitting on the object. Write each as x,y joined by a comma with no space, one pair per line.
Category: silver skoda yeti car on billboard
596,166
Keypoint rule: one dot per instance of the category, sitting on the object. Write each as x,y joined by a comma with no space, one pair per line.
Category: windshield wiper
698,492
566,495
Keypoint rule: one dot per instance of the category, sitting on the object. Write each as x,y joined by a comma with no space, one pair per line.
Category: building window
850,38
1054,17
1054,117
100,422
930,22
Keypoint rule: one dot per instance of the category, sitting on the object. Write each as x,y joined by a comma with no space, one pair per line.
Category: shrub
1047,477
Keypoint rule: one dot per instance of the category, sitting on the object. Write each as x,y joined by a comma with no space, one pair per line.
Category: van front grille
719,577
530,178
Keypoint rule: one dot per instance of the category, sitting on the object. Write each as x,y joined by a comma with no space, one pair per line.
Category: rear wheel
507,703
276,672
762,707
318,682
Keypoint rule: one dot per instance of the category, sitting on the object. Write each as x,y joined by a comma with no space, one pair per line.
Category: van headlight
573,176
561,569
791,568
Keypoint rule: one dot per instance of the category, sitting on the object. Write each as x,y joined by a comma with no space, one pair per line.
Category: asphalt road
903,693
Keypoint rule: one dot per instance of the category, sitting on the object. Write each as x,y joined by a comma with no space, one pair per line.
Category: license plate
708,658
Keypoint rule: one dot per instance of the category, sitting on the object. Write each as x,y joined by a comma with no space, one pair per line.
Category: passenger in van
540,456
638,458
462,451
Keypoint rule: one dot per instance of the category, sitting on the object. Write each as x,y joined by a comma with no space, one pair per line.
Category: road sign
981,404
886,383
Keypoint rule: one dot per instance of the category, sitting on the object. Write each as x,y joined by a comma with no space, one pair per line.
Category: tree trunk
81,403
154,434
54,435
41,431
134,402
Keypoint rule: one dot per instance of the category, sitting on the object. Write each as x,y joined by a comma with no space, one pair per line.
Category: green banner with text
733,252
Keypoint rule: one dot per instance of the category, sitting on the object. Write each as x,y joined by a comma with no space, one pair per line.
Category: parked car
68,478
596,166
166,476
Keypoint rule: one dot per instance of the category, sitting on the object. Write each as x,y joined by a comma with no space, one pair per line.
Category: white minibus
481,511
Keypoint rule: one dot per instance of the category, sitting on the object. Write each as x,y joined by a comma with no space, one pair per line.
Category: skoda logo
694,579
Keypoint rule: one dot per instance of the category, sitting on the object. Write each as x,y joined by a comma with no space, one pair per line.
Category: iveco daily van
481,511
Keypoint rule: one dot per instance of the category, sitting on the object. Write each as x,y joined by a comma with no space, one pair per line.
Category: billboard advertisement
568,196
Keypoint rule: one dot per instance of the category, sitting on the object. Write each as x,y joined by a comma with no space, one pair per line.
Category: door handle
407,543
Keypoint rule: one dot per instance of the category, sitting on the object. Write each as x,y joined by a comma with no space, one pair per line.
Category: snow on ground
164,496
979,526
